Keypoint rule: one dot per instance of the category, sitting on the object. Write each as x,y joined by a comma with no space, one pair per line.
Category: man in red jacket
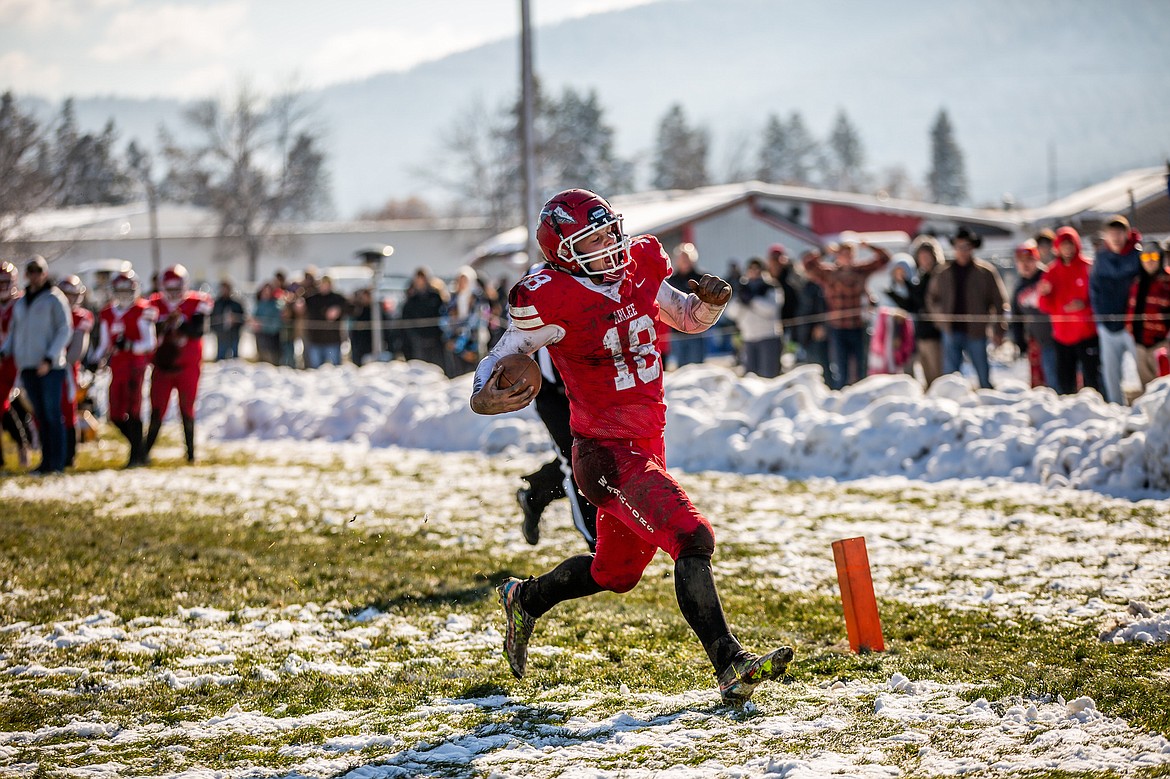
1148,317
1064,295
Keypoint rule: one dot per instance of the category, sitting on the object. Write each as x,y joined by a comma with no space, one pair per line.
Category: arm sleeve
815,270
685,312
877,263
515,341
104,340
62,330
77,345
147,341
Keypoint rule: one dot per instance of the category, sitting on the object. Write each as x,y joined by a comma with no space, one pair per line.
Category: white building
76,238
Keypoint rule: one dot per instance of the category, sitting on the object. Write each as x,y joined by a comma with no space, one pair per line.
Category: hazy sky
146,48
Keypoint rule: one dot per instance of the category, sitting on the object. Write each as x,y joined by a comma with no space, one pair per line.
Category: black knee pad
700,542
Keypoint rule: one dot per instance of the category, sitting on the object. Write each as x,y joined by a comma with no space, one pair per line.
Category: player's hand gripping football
492,400
712,290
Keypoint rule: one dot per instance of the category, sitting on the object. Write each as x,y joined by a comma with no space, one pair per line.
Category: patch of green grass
138,564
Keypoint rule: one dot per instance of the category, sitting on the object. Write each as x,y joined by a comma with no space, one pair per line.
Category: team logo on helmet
558,215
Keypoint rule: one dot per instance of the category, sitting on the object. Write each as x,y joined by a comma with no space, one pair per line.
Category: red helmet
8,279
174,276
71,286
173,283
125,287
573,215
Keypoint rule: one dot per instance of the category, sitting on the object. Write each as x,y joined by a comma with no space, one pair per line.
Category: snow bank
1140,625
792,425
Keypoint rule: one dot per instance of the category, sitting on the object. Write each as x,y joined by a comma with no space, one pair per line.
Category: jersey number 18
640,336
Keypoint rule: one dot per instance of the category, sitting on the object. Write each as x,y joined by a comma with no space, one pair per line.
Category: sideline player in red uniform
15,418
178,360
126,341
596,307
74,291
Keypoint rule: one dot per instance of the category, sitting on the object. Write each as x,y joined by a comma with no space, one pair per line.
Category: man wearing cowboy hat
965,298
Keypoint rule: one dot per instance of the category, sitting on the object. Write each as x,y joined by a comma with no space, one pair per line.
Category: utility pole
527,142
1051,170
373,256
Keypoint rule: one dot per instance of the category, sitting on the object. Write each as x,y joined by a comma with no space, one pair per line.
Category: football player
178,361
126,340
15,416
74,291
596,308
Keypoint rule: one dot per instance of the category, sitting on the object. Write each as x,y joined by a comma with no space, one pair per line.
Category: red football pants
69,396
127,375
641,509
162,383
7,382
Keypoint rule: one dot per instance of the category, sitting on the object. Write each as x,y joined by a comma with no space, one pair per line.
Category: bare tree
412,207
479,155
26,176
257,163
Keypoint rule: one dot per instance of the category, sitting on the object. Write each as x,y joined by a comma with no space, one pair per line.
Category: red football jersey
608,358
126,323
192,305
6,309
82,320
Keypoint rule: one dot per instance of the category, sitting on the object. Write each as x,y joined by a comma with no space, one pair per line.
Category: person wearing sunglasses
1148,315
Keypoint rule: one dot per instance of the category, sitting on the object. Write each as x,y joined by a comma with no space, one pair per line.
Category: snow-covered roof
1108,197
132,220
664,210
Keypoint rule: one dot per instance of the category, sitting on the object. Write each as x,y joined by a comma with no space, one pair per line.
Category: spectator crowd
1071,314
851,308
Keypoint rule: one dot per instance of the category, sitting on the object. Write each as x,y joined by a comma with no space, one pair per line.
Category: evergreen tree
480,155
846,156
804,153
775,152
85,167
579,151
680,158
947,179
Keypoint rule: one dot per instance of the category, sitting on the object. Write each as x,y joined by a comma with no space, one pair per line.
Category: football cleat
531,526
519,626
738,681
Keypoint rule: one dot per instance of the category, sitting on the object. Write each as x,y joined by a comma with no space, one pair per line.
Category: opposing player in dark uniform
178,361
125,342
554,480
596,308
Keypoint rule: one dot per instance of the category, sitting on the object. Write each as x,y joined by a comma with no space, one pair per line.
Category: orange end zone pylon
861,614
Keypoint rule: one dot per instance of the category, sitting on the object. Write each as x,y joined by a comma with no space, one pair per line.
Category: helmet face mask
125,288
573,232
174,284
8,280
73,290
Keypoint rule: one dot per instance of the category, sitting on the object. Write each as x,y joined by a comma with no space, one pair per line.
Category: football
516,367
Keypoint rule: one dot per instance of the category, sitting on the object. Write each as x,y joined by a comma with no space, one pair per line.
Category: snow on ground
323,449
792,425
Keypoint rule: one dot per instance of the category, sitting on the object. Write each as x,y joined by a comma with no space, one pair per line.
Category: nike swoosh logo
639,284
